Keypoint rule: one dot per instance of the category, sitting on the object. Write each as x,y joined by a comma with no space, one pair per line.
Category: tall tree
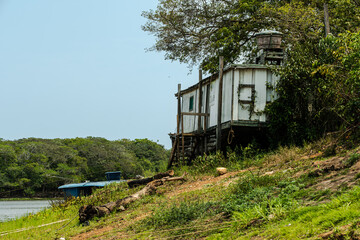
199,31
194,31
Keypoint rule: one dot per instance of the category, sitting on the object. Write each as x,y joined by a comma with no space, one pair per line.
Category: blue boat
86,188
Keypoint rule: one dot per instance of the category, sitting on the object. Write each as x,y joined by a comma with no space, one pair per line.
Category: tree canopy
199,31
39,166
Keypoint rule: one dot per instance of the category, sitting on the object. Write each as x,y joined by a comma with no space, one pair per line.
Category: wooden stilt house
226,108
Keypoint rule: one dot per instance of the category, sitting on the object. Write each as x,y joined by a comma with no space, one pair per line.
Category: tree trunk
138,182
326,19
88,212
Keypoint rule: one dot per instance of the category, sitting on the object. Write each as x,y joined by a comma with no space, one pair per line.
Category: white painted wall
191,122
227,96
237,84
213,102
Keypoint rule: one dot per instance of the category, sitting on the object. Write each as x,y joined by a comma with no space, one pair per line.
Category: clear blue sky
77,68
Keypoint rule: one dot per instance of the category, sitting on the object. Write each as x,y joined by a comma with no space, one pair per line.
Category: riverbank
290,193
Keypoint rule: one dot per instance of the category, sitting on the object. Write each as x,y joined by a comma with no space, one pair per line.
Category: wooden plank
193,134
247,85
248,123
195,114
245,101
218,132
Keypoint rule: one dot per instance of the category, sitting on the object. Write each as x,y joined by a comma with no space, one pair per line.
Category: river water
14,209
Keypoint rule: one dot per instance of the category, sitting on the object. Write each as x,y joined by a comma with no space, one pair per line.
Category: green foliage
249,192
200,31
352,160
319,91
239,158
271,208
209,162
39,166
151,154
179,214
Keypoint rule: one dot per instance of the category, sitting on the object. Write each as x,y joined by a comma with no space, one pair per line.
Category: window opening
191,103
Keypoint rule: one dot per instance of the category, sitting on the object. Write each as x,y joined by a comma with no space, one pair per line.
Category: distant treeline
36,167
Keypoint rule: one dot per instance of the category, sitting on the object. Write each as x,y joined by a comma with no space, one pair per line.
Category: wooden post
182,137
218,130
206,111
326,19
200,100
200,145
178,122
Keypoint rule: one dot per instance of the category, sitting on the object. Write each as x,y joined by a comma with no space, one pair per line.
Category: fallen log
144,181
88,212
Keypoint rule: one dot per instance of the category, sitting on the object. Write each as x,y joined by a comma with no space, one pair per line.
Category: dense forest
36,167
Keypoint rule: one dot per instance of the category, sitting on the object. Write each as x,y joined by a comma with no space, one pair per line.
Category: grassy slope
288,194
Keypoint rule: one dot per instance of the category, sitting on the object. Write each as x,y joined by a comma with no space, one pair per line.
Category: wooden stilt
199,109
205,118
218,132
182,137
178,122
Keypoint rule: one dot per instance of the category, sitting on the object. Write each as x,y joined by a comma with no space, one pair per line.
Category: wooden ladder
173,151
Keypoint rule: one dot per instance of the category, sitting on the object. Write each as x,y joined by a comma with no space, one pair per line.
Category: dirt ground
190,186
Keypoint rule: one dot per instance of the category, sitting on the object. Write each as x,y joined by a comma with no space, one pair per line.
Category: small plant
208,163
330,151
357,176
183,213
320,195
283,155
251,182
352,159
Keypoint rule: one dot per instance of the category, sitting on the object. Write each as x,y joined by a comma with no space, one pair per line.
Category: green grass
296,221
67,210
352,159
182,213
34,220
